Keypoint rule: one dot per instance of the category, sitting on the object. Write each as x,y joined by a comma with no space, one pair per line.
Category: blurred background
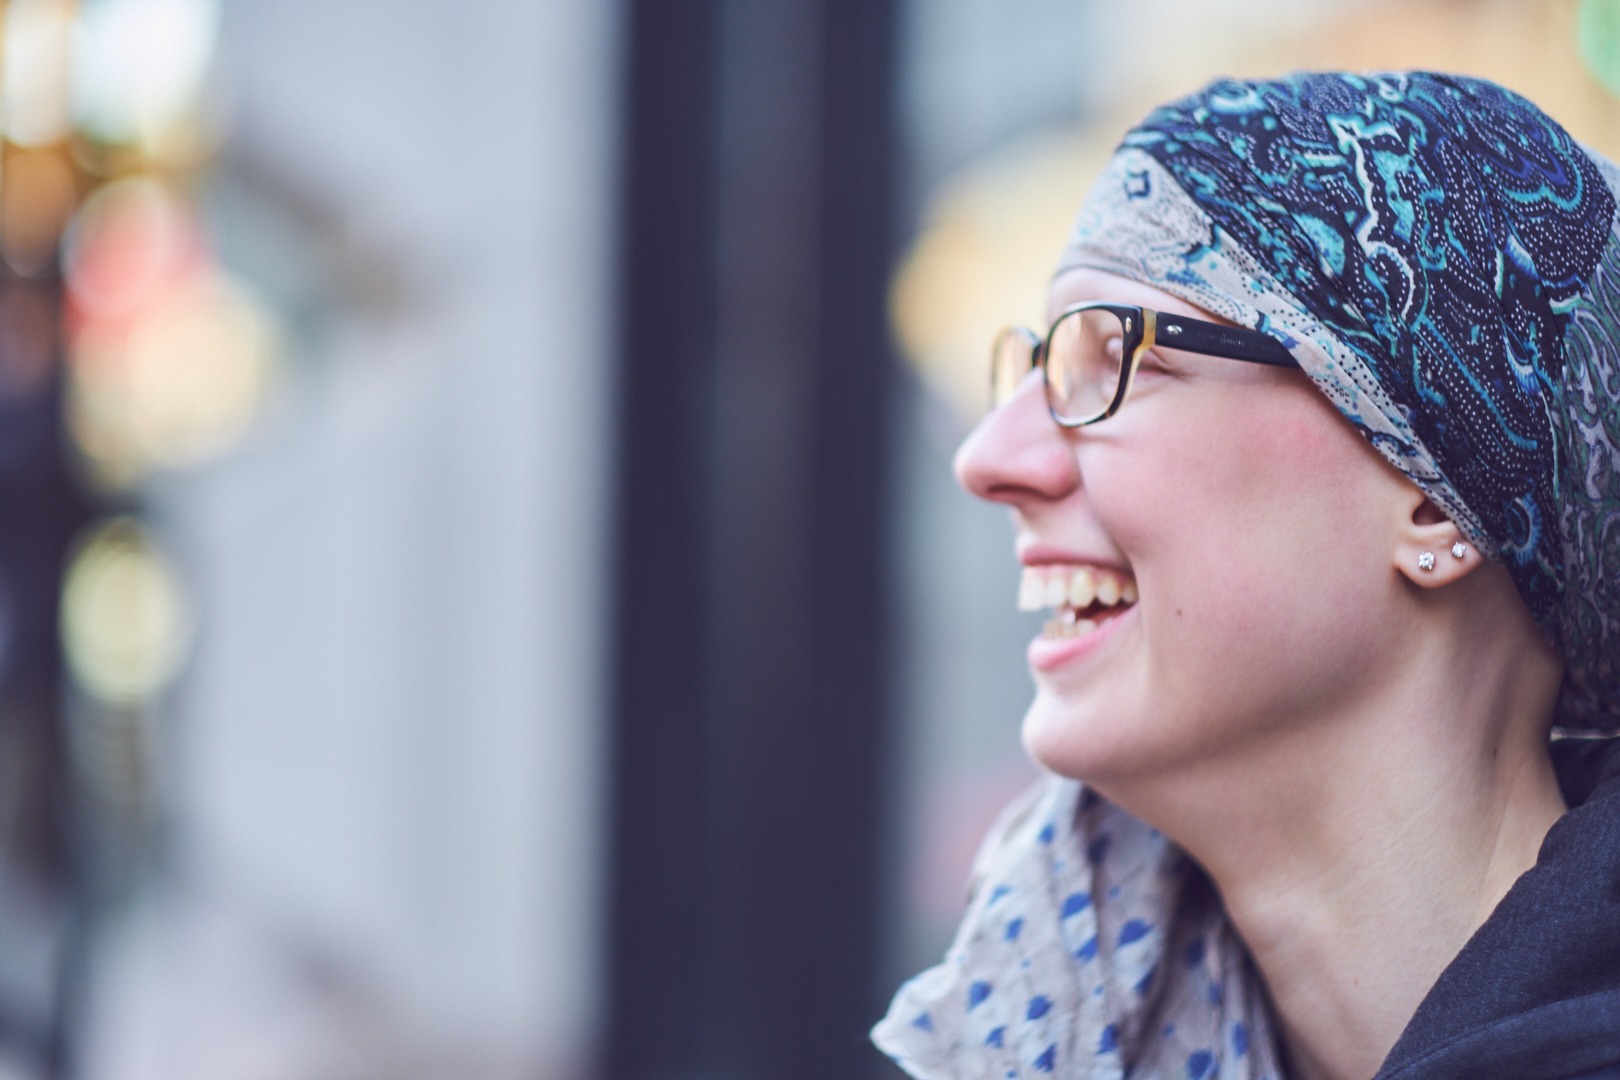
482,593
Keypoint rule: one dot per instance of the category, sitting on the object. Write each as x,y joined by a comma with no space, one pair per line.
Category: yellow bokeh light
984,260
177,387
198,365
124,622
34,90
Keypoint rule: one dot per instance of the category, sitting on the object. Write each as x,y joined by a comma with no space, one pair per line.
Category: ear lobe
1432,552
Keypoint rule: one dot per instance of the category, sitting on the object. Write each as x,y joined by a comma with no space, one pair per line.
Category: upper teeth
1073,586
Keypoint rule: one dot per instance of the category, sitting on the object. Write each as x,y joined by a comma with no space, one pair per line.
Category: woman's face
1253,525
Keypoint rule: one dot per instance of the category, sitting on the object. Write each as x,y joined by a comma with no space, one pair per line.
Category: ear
1431,551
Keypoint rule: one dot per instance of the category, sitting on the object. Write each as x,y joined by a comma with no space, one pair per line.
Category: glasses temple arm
1232,342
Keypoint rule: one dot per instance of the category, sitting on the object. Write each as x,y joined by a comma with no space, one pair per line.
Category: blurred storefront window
116,323
303,493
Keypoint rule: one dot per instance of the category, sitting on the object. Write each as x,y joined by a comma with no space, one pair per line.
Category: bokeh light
34,78
131,242
983,260
1598,33
168,355
141,67
38,191
125,622
178,385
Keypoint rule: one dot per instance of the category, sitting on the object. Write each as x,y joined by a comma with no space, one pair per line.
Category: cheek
1255,544
1288,483
1220,478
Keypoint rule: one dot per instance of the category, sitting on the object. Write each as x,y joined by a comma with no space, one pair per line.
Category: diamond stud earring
1426,560
1459,549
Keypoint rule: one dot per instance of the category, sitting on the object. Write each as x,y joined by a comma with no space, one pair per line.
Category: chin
1115,741
1084,742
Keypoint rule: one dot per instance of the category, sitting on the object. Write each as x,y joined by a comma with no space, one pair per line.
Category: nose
1018,453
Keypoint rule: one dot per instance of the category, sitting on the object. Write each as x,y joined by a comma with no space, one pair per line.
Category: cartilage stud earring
1459,549
1426,560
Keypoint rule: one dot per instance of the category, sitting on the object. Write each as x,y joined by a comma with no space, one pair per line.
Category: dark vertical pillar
752,708
42,508
851,711
660,742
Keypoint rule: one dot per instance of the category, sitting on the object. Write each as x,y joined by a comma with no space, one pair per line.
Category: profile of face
1263,540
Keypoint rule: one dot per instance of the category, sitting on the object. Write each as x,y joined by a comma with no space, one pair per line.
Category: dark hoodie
1535,994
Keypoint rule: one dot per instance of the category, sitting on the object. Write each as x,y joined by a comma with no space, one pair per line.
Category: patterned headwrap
1444,261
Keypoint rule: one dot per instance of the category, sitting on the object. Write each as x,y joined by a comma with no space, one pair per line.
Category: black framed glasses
1090,355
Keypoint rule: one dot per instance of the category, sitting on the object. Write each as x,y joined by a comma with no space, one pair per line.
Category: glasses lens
1082,372
1011,358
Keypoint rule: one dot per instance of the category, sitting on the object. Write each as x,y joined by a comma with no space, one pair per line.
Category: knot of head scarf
1444,261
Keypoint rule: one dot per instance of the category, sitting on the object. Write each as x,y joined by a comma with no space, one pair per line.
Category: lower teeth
1068,626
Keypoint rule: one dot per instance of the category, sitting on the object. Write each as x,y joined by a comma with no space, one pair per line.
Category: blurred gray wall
385,760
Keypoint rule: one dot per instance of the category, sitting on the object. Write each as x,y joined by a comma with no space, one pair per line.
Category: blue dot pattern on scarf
978,992
1120,966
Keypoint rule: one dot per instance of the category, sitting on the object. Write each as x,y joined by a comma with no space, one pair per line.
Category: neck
1357,852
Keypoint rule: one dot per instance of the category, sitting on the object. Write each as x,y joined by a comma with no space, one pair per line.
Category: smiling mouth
1083,597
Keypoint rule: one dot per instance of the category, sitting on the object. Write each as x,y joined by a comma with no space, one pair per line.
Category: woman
1319,469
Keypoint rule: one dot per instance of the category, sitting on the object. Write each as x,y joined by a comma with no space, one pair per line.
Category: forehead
1083,283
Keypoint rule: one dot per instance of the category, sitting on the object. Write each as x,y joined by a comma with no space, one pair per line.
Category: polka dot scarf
1092,947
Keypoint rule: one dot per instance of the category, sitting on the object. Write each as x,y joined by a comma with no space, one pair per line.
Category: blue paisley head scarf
1444,261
